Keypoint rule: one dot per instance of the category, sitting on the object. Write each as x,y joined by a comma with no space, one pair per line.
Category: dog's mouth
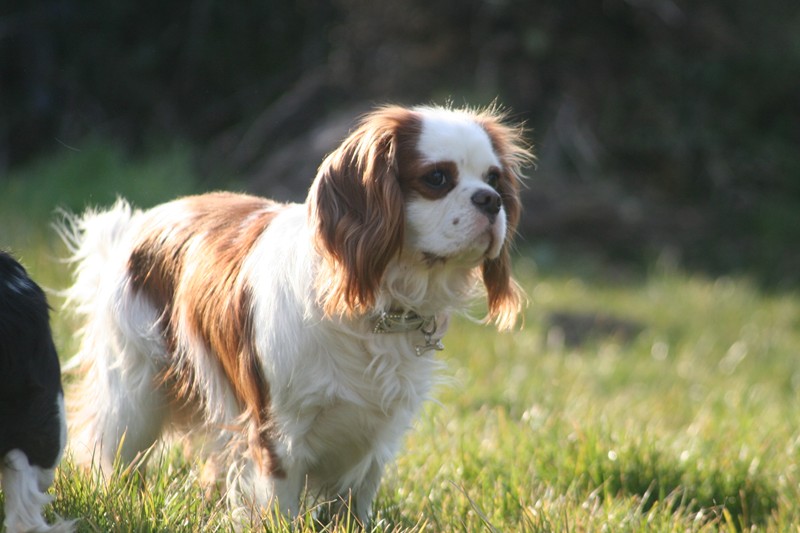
431,259
472,255
494,247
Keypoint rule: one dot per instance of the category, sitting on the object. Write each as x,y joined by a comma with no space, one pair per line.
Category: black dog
32,425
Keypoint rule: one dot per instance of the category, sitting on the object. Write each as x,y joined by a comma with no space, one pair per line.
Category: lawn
657,400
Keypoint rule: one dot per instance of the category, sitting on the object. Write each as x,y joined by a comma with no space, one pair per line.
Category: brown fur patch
505,296
413,179
358,207
188,263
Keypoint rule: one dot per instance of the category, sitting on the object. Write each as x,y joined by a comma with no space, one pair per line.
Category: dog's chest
357,400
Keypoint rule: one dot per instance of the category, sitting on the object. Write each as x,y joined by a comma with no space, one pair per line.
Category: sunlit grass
698,410
689,425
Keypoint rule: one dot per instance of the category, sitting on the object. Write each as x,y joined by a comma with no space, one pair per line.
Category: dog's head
437,185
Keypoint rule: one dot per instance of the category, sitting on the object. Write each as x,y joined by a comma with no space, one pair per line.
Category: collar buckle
404,322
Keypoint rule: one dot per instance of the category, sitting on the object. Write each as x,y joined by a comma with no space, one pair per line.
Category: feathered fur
254,322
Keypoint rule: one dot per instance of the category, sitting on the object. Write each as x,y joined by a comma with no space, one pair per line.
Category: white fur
25,490
120,342
462,232
341,396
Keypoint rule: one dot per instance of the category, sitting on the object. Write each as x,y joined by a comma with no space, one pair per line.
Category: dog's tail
112,404
98,244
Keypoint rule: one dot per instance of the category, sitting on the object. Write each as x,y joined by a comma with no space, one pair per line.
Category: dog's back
32,427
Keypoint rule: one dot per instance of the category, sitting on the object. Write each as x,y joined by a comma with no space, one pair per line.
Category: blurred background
664,129
655,384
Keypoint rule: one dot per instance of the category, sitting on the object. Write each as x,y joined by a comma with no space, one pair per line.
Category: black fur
30,376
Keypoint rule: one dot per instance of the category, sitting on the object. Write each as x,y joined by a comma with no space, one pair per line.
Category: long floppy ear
358,212
504,294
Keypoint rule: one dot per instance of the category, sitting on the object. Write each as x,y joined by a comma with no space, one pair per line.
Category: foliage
91,174
692,100
688,110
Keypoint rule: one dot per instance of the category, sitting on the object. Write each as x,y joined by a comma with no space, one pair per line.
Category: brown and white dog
298,338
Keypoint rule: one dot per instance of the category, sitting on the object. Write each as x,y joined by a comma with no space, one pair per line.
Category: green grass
691,425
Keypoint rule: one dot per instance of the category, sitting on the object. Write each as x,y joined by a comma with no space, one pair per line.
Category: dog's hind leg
117,408
114,402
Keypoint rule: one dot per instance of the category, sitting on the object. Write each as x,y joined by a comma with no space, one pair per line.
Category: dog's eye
493,179
436,179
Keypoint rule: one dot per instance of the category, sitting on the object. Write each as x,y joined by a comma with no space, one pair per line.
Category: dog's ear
505,296
358,212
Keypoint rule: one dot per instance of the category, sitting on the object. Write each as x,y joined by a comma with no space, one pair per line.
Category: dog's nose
489,202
